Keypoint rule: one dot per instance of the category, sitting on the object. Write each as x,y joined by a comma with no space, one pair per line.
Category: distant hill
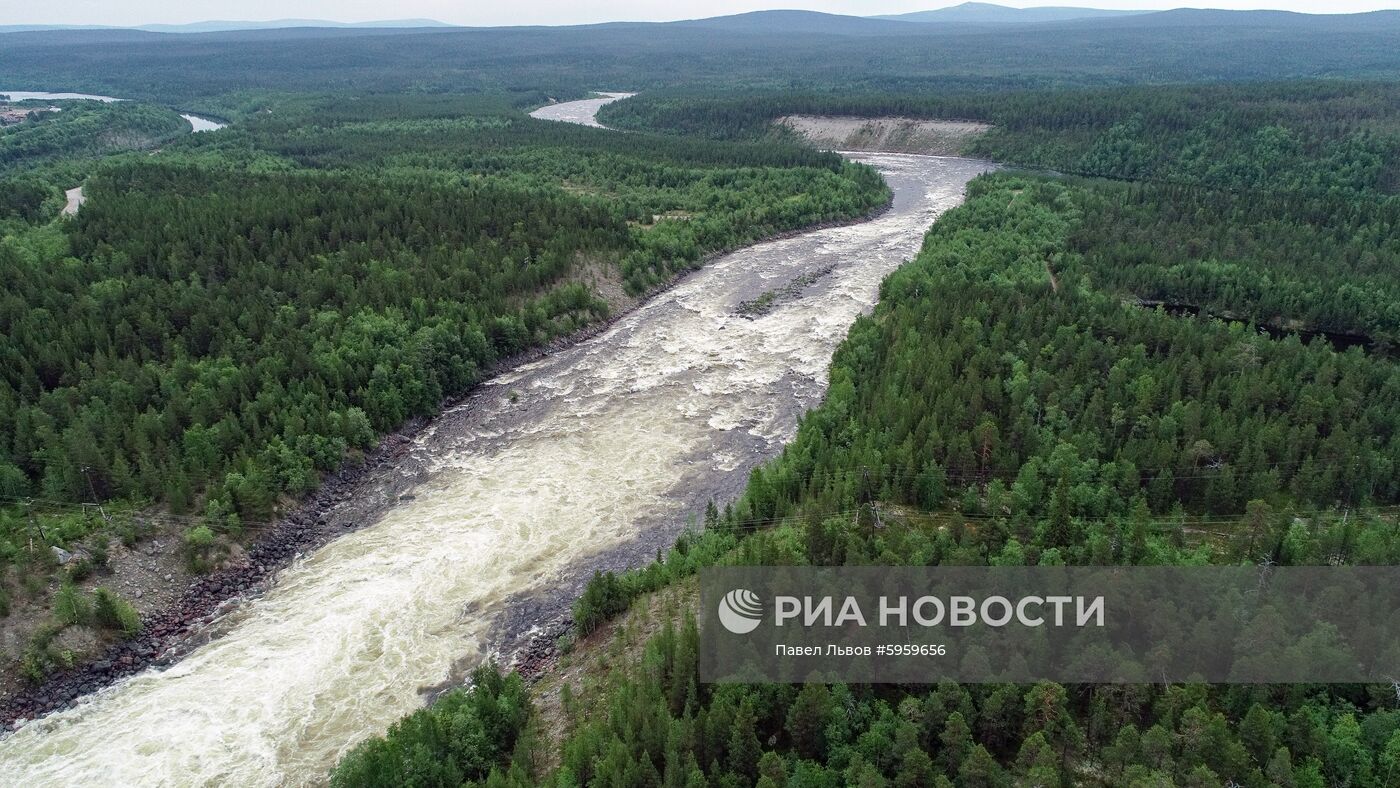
218,26
1371,21
224,26
808,22
20,35
798,50
992,14
36,28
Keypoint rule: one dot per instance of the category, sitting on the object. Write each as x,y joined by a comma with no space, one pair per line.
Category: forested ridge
84,129
773,51
1010,402
228,319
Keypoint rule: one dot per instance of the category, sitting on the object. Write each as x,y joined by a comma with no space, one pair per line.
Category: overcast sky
534,12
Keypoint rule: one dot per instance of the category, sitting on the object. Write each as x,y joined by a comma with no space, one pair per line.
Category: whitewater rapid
518,490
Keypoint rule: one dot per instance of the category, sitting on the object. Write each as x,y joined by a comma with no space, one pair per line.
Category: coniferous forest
1164,332
230,318
1022,396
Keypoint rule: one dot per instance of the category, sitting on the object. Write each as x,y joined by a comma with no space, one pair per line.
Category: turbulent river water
595,453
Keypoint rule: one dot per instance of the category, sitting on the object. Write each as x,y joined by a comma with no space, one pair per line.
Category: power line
880,473
1186,521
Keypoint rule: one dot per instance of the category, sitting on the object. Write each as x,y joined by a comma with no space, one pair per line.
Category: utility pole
34,524
865,482
87,474
875,520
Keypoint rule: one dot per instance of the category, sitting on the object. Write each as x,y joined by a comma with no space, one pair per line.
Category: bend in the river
196,123
583,112
74,196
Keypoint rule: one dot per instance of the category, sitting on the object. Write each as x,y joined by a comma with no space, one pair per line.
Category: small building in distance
11,114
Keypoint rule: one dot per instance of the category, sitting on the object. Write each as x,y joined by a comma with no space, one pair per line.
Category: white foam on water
342,643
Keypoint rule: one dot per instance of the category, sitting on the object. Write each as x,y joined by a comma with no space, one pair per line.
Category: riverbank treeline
1283,198
1310,136
84,129
53,150
226,320
1011,402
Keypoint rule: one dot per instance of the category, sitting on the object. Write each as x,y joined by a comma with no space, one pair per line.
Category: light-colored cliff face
890,135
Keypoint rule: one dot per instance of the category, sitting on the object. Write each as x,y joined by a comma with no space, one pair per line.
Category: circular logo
740,611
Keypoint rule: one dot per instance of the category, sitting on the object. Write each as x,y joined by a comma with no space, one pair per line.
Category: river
74,196
583,112
196,123
594,455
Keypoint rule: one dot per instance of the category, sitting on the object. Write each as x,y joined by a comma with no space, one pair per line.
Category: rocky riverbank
353,497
